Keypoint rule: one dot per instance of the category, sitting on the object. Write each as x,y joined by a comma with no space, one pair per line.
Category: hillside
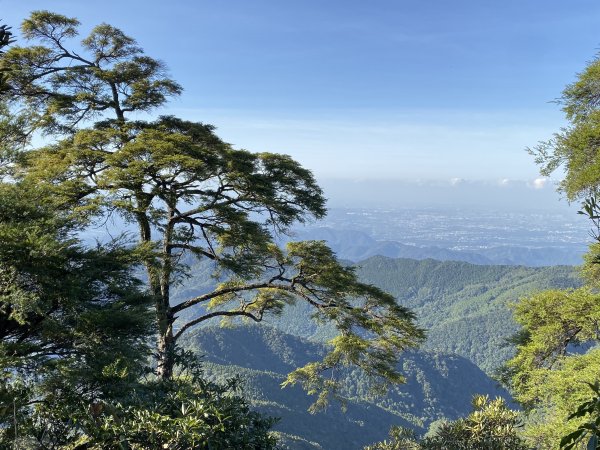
464,306
262,355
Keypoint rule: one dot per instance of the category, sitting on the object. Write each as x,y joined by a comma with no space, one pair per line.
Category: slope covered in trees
435,387
464,307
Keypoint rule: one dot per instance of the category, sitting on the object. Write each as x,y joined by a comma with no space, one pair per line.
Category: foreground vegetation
491,425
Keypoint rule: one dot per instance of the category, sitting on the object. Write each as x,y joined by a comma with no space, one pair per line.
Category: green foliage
553,321
52,289
400,439
491,426
575,148
589,430
547,375
5,40
73,321
61,88
185,412
5,37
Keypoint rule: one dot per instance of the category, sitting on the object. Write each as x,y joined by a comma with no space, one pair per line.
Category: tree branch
217,314
229,290
193,249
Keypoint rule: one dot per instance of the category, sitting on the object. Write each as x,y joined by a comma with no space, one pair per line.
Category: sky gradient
414,91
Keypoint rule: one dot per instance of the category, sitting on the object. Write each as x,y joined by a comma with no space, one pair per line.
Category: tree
5,40
73,321
74,332
576,147
192,196
590,429
400,439
548,376
5,36
63,89
555,357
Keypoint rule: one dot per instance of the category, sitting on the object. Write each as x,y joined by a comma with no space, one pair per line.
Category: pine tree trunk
159,283
166,354
166,340
166,344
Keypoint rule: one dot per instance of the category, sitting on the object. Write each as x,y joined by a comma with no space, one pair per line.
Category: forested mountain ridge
262,356
464,307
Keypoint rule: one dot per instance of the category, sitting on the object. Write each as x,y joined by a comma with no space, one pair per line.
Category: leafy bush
491,426
186,412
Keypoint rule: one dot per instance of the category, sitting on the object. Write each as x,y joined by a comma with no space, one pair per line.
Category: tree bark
164,313
166,346
159,287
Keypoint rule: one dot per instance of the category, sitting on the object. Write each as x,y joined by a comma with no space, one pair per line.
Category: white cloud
539,183
456,181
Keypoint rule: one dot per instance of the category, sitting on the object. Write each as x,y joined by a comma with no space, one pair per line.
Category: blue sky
355,90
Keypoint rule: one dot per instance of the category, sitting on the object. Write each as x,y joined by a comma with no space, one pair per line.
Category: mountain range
261,356
465,308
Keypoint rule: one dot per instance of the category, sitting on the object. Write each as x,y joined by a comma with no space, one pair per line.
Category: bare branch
193,249
225,291
217,314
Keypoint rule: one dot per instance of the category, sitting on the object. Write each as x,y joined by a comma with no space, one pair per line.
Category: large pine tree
191,195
